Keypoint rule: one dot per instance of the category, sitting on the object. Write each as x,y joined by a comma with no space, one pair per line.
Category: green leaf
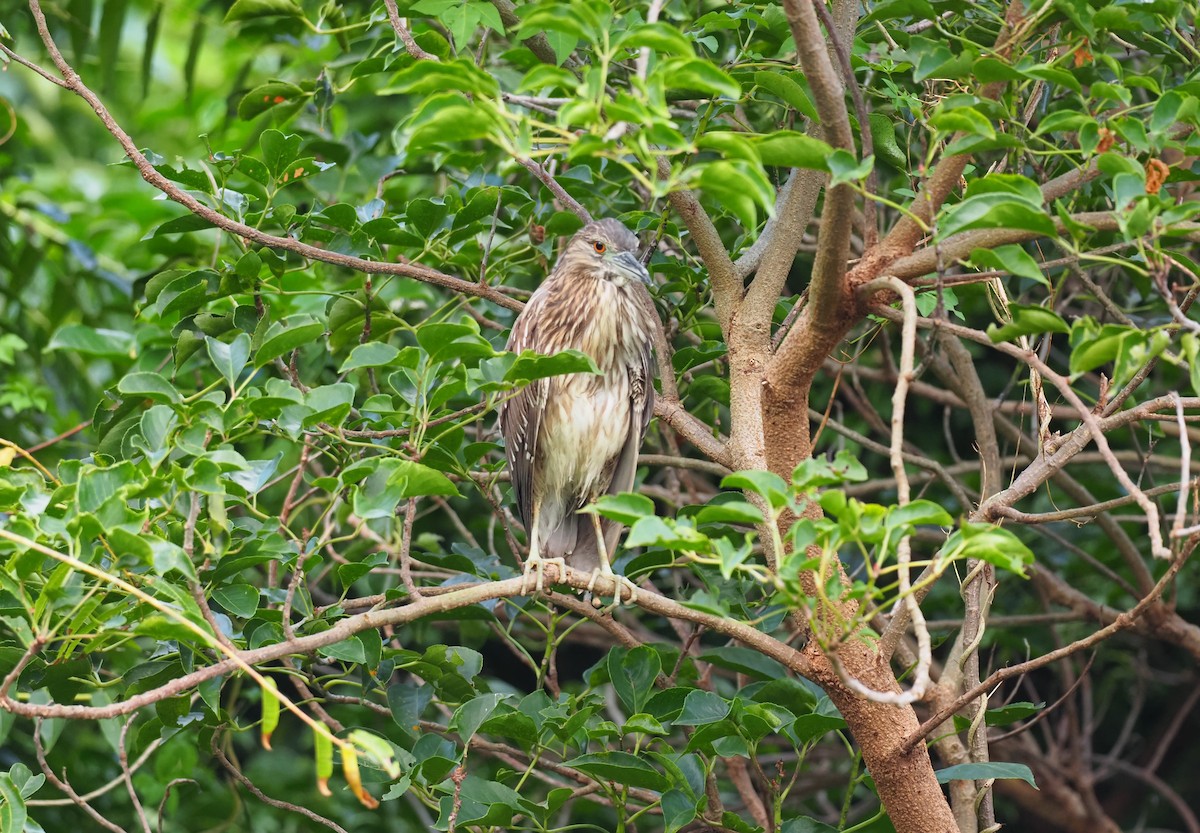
620,768
182,225
1027,320
820,471
467,719
431,76
745,661
738,185
788,149
93,342
730,512
986,771
417,480
407,702
918,512
678,810
954,119
229,359
1003,716
666,533
701,708
844,166
251,9
287,335
883,140
661,37
279,151
995,210
151,386
695,75
626,508
265,96
993,544
644,724
530,365
12,806
1012,259
770,486
239,599
371,354
784,87
633,674
1166,111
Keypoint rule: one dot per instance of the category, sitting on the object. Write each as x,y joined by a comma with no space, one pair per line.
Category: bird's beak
627,264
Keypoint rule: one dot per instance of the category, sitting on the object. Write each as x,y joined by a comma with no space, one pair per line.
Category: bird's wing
521,418
520,422
641,408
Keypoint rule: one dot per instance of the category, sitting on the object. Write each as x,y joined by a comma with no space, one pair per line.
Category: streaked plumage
573,438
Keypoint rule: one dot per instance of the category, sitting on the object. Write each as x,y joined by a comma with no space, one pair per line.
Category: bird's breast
584,430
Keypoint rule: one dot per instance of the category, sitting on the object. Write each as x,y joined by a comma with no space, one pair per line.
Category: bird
572,438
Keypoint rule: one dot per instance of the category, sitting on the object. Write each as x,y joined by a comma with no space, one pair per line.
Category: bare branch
723,276
429,604
544,177
263,797
400,26
833,240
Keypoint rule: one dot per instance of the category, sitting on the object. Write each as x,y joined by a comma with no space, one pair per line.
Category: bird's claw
620,584
537,565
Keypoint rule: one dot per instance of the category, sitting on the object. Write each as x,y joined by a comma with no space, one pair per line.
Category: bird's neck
610,321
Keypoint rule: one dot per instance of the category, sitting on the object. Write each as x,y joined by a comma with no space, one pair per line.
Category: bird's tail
586,556
575,540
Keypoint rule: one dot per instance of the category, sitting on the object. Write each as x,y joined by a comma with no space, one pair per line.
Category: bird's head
607,250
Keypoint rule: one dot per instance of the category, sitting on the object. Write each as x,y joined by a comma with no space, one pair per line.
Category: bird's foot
536,565
620,584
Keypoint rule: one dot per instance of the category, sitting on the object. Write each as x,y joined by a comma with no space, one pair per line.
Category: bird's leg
605,569
535,564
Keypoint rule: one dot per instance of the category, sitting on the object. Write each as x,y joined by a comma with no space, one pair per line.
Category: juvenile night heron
572,438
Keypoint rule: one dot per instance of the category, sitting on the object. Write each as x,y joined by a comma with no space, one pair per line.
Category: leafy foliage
264,451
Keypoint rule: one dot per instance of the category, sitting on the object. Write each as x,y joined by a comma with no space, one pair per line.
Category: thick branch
833,239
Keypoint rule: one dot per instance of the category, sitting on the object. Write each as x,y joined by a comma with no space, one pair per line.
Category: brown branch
959,246
700,435
417,609
537,44
833,238
772,255
723,276
173,192
543,176
127,773
64,786
400,26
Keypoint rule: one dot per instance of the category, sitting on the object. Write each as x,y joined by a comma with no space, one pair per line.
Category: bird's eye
599,246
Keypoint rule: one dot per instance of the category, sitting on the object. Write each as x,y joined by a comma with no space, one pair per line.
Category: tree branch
400,26
427,605
723,276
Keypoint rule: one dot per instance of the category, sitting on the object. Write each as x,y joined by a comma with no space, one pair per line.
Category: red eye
600,247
